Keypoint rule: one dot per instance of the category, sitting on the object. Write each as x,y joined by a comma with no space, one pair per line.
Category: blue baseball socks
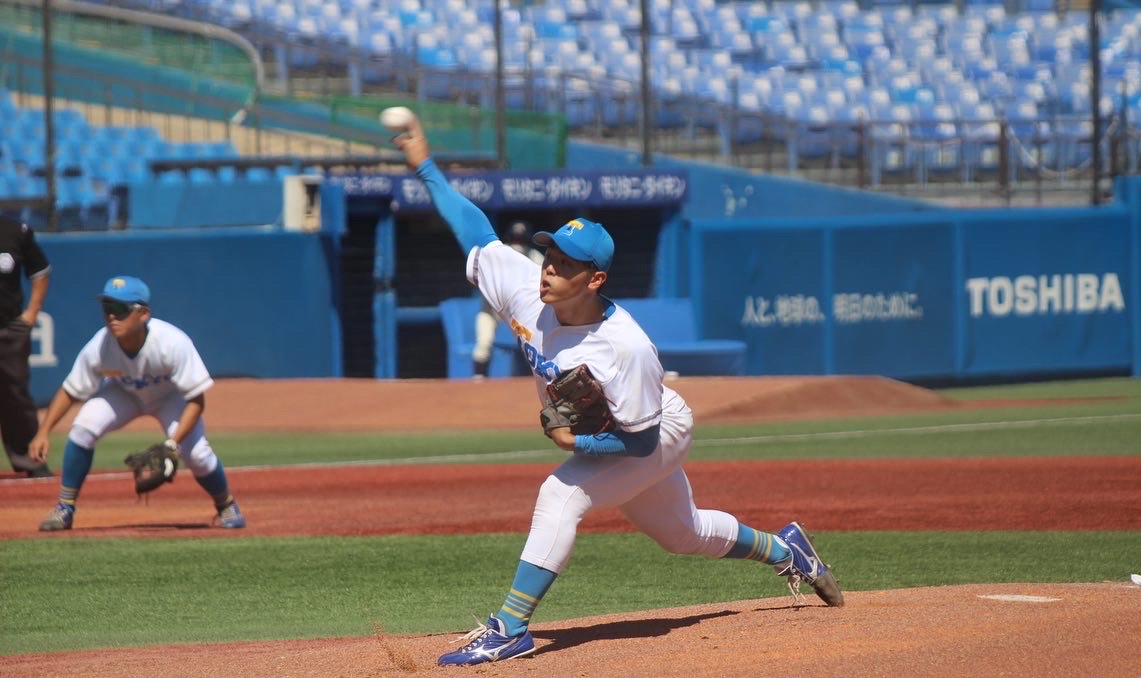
528,588
216,486
76,465
759,546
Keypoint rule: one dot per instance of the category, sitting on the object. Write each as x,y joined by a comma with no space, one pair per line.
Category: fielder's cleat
806,565
489,643
59,518
230,517
41,471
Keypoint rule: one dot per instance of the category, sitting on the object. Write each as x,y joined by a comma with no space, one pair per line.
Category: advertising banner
767,288
518,190
954,295
892,300
1046,294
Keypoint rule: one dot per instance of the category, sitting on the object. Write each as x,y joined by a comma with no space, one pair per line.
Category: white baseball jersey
617,351
168,363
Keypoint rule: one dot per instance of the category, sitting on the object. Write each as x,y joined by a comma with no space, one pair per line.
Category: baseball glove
153,466
576,400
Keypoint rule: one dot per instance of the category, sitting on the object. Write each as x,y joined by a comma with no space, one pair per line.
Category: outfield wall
256,301
948,295
915,294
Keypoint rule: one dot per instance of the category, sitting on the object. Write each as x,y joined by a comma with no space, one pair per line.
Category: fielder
136,365
563,322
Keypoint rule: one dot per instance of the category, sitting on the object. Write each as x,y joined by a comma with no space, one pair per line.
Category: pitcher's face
565,278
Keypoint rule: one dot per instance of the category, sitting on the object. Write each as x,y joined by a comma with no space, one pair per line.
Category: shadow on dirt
159,526
562,639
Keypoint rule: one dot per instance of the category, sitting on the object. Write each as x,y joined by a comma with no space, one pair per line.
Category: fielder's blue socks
530,585
76,465
760,546
216,485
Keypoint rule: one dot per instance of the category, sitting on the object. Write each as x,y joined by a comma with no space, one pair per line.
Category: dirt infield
935,631
413,404
1078,629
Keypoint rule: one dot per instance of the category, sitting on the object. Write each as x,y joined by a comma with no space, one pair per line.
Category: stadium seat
889,136
939,152
981,135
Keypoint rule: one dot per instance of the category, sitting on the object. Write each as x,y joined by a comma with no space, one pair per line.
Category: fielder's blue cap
581,239
127,289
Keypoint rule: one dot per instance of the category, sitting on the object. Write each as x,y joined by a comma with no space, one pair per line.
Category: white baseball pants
652,492
110,409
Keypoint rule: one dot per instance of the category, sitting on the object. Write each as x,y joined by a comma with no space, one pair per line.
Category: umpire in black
19,255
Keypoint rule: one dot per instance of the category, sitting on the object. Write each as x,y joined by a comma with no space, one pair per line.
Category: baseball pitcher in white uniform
135,365
561,321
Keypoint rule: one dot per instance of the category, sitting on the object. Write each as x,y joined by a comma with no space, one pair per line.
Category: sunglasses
119,310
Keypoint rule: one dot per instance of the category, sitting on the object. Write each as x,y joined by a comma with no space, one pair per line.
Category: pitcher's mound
748,399
438,404
996,629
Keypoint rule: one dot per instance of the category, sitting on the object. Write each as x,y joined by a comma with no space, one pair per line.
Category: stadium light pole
49,127
500,99
647,112
1095,94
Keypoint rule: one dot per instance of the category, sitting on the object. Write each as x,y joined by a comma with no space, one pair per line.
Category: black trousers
18,420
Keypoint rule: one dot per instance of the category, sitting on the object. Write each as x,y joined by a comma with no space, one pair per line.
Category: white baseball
397,118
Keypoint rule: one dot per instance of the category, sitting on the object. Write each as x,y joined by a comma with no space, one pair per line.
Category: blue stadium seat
939,144
672,325
457,315
942,44
259,174
7,106
889,134
980,132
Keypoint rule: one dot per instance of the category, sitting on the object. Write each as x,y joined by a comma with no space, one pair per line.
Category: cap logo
118,283
574,224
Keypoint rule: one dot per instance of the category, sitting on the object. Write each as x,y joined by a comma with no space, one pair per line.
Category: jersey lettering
144,381
547,369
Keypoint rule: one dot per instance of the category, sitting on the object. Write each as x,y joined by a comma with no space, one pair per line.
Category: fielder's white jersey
617,350
167,363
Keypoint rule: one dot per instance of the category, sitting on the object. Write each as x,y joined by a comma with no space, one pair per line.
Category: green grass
90,593
1109,423
1117,387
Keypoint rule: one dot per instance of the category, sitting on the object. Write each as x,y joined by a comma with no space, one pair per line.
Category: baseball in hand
397,118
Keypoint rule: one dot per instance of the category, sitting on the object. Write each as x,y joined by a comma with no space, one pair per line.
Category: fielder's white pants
485,323
652,492
111,408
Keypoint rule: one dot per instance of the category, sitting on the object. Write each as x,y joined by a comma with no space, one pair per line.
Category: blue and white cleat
489,643
59,518
230,517
806,565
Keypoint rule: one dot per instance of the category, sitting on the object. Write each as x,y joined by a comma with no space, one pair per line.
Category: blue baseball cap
127,289
581,239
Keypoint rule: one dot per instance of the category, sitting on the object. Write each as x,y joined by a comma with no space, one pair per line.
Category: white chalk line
516,455
941,428
1015,598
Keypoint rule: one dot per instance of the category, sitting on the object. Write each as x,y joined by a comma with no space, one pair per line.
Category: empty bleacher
895,86
871,93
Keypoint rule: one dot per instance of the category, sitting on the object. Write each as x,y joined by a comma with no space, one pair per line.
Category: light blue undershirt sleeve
468,223
619,443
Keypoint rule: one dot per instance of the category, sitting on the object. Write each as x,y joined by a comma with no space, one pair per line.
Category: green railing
533,140
206,55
